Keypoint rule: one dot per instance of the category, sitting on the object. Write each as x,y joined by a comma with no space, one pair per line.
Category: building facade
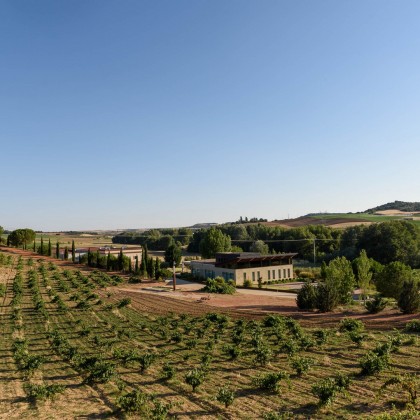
244,266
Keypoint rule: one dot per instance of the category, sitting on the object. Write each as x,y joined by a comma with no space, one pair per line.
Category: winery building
241,266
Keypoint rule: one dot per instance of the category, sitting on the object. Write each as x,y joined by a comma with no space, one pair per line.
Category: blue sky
129,114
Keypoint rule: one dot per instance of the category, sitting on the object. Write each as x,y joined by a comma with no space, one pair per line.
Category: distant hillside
396,205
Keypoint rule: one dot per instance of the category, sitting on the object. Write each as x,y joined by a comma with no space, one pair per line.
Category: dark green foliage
270,381
134,402
123,302
225,395
233,352
21,237
42,392
327,297
372,363
307,297
100,372
214,241
413,326
219,285
168,371
409,300
195,378
357,337
301,364
328,388
263,354
390,280
173,254
146,360
351,324
376,305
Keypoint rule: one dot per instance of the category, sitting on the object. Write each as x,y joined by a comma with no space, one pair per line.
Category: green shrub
168,371
372,363
263,354
357,337
247,283
233,352
124,302
270,381
146,360
220,285
301,364
42,392
2,290
376,305
327,388
134,402
408,382
351,324
413,326
195,378
307,297
409,300
100,372
225,395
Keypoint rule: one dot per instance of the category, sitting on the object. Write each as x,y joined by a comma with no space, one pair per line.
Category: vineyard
73,347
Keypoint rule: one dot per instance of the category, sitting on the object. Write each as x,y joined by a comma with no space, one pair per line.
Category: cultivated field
77,329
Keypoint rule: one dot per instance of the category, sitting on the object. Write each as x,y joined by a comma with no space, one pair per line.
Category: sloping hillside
402,206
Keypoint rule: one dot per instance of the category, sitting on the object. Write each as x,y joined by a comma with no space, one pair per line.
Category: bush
168,371
408,382
413,326
225,395
350,324
327,389
146,360
195,378
233,352
409,300
220,285
100,372
327,297
373,363
247,283
42,392
263,354
133,402
307,297
270,381
357,337
301,364
124,302
376,305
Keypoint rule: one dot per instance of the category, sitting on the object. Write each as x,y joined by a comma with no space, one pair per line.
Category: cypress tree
145,259
98,258
120,260
49,247
34,246
8,240
130,268
66,253
89,258
136,267
42,246
157,268
108,261
57,250
73,252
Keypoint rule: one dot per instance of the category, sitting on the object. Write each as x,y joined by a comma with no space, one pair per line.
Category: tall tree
259,246
214,241
173,255
341,277
108,261
364,274
120,260
157,268
57,250
73,252
49,247
66,253
136,267
41,249
390,280
21,237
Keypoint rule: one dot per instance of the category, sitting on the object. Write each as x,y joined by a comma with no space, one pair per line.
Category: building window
269,274
244,276
288,273
253,276
274,274
258,275
284,273
279,273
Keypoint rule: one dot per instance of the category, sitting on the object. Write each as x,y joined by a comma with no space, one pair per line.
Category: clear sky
134,113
